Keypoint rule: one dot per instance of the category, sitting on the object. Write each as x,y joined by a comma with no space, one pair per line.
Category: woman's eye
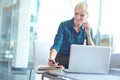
76,13
82,15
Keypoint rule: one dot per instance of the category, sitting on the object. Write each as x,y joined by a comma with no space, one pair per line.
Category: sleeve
58,38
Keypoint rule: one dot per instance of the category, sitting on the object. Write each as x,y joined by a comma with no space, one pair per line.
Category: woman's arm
90,41
52,57
89,33
53,54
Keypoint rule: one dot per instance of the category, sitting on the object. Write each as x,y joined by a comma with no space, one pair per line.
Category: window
103,18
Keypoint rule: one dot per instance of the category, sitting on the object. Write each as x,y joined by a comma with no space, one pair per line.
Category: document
47,68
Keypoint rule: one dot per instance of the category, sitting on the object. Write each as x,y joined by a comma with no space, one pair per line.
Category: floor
7,74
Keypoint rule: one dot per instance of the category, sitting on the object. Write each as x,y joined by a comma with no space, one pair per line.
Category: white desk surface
112,75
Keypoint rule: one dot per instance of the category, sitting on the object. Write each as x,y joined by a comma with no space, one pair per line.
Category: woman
73,31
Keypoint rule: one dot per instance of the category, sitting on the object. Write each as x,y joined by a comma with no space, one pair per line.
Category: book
47,68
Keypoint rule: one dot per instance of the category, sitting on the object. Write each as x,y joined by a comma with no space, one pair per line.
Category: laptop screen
89,59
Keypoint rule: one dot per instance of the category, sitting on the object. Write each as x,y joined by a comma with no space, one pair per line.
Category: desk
112,75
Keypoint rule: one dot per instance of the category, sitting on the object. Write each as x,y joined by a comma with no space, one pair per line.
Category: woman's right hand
52,62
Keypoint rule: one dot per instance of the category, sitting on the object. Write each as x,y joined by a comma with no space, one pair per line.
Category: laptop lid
89,59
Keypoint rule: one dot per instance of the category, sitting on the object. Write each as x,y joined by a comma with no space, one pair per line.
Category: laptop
89,59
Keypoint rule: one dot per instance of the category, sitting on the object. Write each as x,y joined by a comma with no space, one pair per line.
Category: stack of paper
47,68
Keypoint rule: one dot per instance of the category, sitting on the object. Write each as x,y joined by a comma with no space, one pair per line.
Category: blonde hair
81,6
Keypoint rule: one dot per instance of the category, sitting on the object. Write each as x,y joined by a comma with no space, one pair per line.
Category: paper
47,68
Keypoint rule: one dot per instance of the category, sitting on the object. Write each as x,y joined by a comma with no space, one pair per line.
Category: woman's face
80,17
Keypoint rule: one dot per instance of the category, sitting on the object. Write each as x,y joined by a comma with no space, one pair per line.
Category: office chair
115,61
40,54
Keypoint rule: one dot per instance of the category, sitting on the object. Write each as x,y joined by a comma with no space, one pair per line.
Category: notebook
89,59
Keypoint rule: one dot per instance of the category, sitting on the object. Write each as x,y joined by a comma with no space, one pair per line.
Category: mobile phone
52,61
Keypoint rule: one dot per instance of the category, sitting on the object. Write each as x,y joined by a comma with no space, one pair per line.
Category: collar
72,24
82,27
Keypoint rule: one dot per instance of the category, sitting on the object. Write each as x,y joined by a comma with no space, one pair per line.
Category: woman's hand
52,56
87,27
52,62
